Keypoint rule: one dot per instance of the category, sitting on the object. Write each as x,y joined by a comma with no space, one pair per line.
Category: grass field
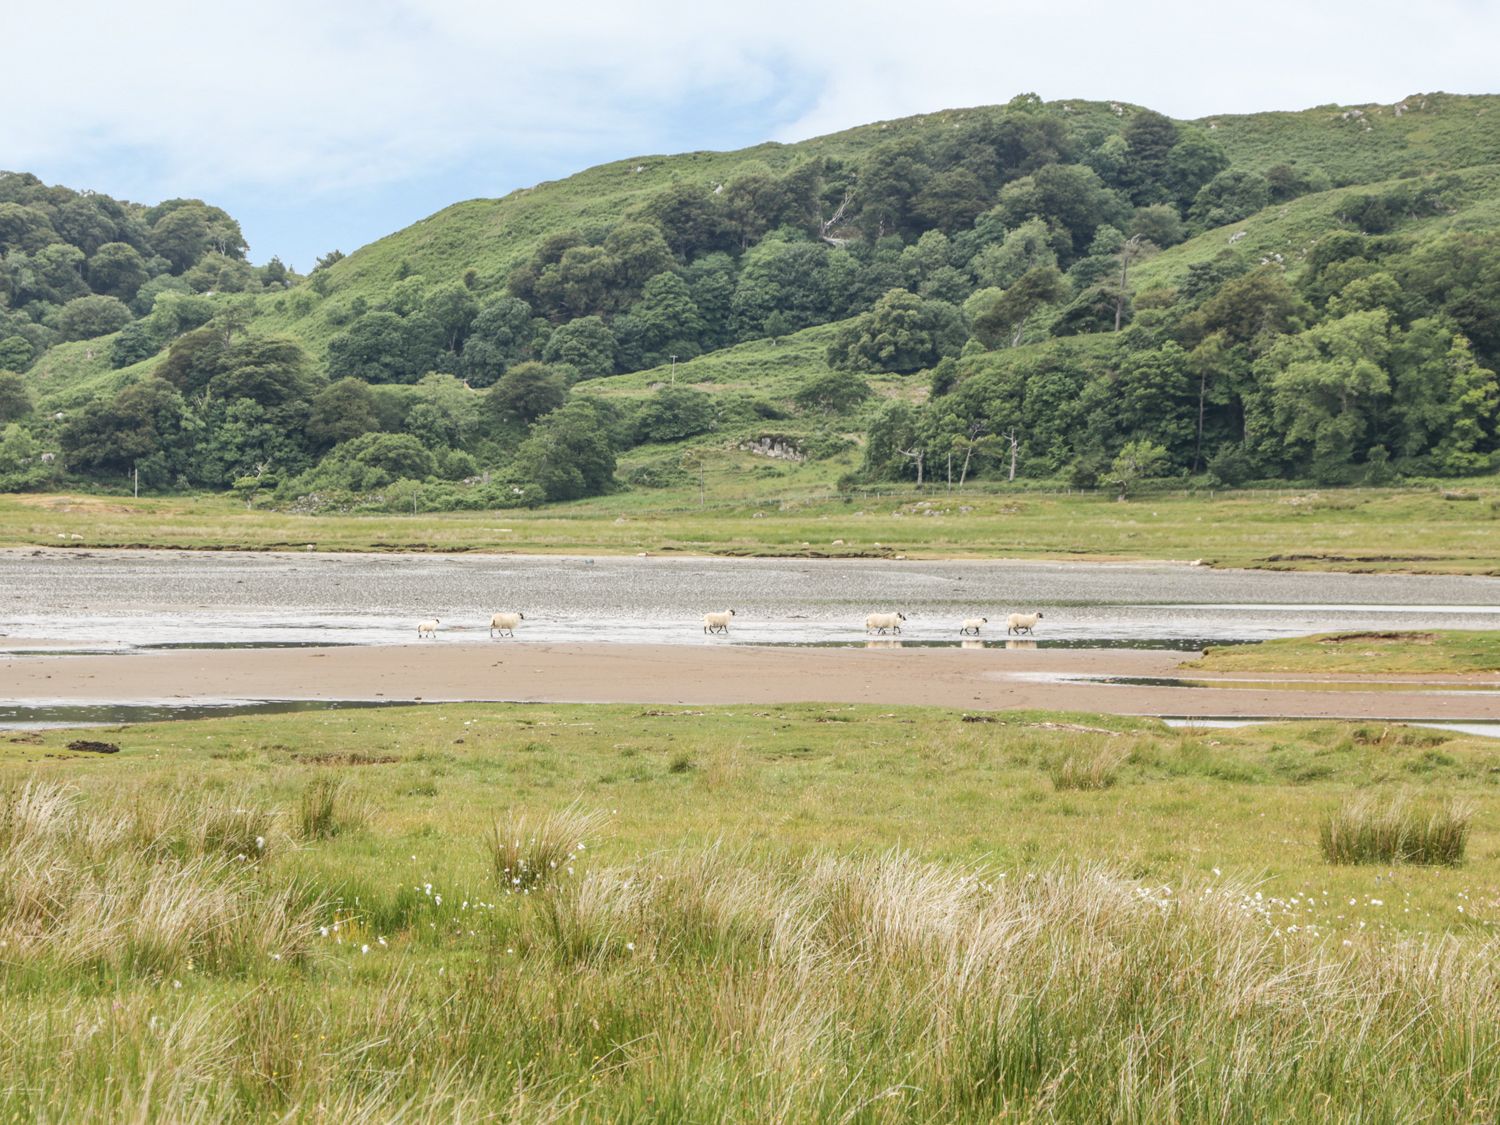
1451,651
790,913
755,507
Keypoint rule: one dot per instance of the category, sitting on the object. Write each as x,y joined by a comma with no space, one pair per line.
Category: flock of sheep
504,624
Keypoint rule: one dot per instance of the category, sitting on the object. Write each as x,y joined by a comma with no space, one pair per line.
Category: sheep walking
878,623
505,623
717,622
972,625
1021,622
428,629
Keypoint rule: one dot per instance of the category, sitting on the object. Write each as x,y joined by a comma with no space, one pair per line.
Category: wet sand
974,679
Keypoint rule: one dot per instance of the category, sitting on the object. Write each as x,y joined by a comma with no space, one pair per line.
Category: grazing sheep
971,626
428,629
504,623
880,622
717,622
1022,622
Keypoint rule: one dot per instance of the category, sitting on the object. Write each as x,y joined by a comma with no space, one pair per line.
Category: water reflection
1023,645
970,642
883,642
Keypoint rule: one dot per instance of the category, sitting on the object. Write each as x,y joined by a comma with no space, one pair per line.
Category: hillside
1080,291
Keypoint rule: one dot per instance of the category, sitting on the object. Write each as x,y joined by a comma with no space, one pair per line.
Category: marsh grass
330,806
528,851
1090,768
1368,830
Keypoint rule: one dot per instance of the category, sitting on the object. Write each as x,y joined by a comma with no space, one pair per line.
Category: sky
329,123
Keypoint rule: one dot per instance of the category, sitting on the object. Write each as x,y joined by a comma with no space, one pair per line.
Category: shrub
1365,831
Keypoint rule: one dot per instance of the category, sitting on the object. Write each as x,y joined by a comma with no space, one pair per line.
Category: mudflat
974,679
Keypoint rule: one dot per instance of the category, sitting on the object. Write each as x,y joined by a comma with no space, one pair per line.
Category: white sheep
880,622
717,622
504,623
1021,622
972,625
428,629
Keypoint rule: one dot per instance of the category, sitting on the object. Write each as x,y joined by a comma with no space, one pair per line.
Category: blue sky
328,123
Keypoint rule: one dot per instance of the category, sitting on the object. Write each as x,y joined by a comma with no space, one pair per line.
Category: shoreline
679,675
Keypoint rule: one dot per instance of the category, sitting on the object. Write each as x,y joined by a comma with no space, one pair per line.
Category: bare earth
976,679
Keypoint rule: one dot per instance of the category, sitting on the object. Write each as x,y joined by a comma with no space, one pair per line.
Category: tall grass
1090,768
704,984
328,807
527,851
1367,830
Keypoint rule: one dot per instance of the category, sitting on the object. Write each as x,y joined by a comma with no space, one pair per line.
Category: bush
1364,831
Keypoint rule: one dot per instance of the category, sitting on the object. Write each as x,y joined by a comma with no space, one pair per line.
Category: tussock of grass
528,851
1366,830
1090,768
149,888
329,807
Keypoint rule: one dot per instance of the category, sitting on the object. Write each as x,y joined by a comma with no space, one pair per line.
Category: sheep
717,622
880,622
1022,622
504,623
428,629
971,626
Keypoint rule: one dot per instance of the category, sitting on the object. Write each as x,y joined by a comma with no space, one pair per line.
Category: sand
972,679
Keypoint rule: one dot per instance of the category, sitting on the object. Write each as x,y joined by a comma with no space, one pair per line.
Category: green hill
1070,290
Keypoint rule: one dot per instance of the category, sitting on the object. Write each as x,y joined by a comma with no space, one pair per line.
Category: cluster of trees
76,265
996,255
227,409
1380,360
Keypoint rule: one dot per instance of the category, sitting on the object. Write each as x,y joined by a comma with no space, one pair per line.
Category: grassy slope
1440,651
737,941
798,516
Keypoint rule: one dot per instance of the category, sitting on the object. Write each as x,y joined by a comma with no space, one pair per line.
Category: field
754,507
1439,651
790,913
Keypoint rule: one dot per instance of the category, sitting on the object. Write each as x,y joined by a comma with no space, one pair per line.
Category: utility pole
137,475
674,370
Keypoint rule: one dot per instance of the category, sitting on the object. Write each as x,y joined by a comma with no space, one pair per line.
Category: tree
1000,317
371,461
1325,386
1232,195
525,393
502,333
453,309
84,318
674,413
15,399
568,454
343,410
586,343
15,353
381,347
836,392
117,270
1149,140
1024,248
1137,461
902,333
142,427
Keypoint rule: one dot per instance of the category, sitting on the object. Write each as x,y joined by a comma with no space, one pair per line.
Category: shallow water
130,599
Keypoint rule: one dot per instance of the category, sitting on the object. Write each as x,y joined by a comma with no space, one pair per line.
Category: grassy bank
796,913
1394,653
750,507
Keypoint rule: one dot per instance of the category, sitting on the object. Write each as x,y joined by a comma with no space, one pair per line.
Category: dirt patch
1379,639
351,759
89,746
